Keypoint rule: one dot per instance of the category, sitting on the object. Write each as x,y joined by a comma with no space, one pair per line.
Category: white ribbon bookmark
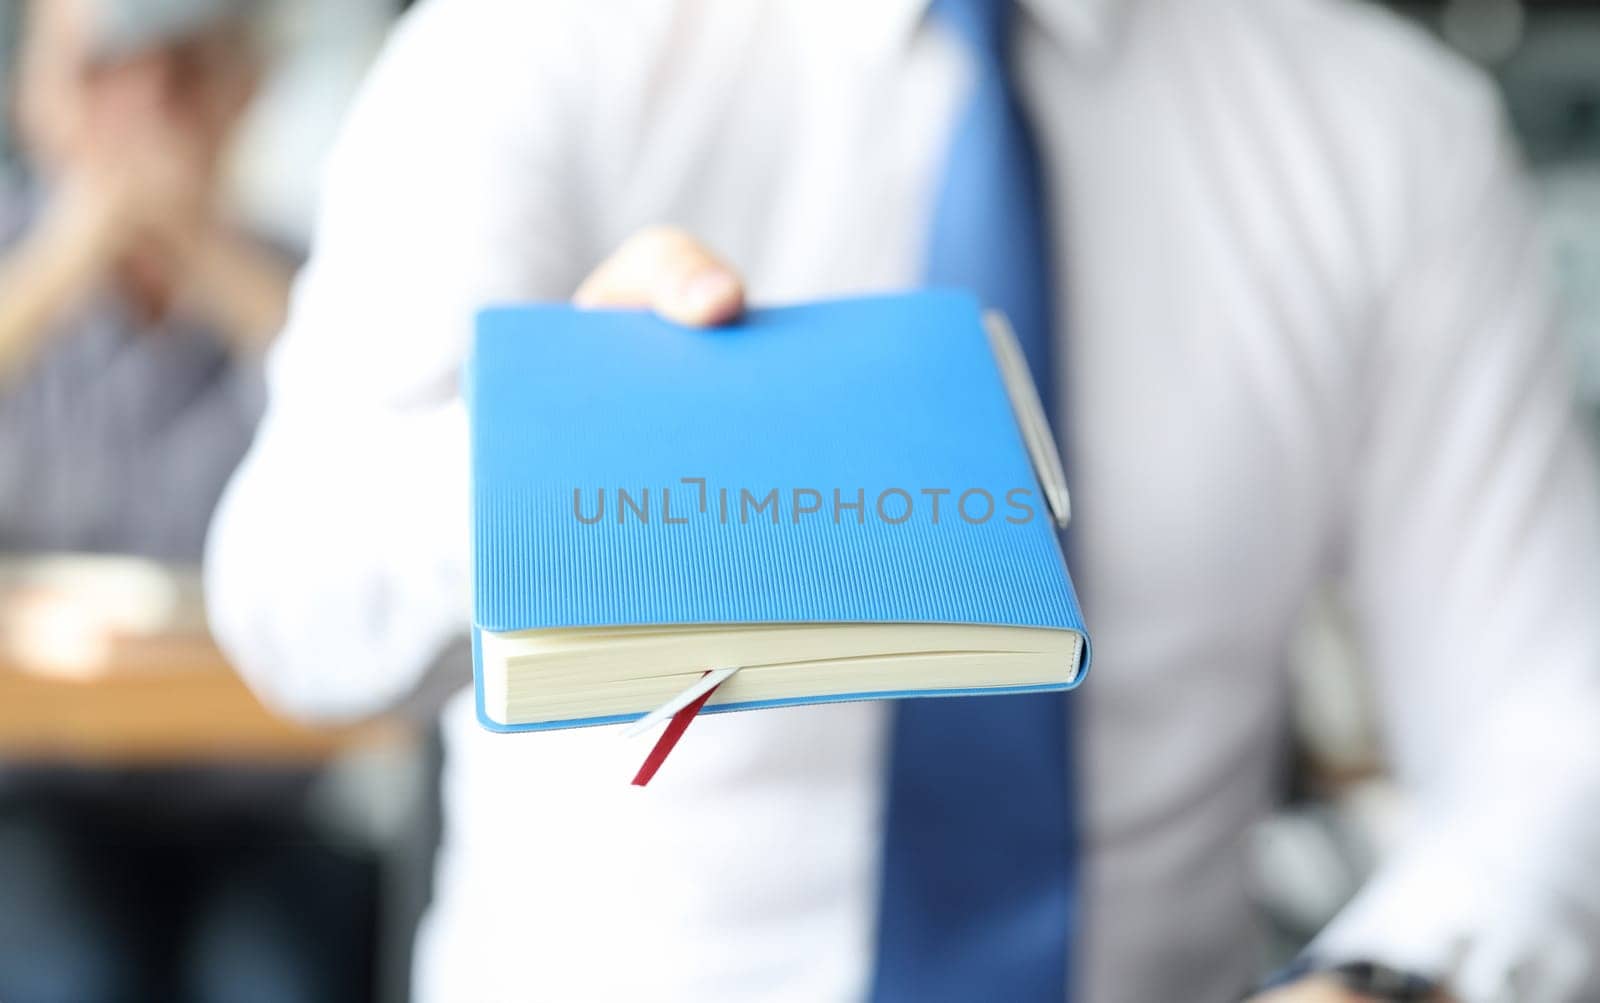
705,684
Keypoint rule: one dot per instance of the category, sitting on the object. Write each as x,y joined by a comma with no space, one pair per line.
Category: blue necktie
978,877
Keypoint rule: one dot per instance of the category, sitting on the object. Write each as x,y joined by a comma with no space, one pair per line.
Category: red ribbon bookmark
669,738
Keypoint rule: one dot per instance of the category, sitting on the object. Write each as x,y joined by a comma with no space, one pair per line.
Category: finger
670,272
1316,989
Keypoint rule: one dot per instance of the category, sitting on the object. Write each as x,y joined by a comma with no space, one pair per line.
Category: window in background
1552,85
322,50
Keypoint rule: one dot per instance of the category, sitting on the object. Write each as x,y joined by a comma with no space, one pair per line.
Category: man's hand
1315,989
670,272
1321,989
85,226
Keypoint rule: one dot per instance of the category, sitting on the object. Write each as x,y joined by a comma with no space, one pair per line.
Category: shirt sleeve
1474,575
338,561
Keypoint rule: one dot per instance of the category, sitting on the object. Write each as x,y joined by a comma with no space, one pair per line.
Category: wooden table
107,660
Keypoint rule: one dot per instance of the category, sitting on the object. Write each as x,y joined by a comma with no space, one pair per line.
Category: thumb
670,272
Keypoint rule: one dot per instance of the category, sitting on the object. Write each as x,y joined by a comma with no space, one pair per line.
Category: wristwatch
1369,978
1382,982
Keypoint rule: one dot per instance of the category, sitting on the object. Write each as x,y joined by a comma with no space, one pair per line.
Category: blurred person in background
1300,335
133,316
133,312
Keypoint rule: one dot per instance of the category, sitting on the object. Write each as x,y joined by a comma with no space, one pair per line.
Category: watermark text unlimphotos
693,498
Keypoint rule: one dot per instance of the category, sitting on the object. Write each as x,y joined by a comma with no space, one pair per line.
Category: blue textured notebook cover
848,461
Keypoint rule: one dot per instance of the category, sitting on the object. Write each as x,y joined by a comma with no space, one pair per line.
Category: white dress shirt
1302,336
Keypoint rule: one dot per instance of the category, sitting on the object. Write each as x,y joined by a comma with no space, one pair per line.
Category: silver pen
1031,420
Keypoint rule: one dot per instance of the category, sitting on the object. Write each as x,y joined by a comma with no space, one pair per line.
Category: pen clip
1031,420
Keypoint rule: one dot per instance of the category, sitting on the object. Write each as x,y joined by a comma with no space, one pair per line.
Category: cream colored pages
532,677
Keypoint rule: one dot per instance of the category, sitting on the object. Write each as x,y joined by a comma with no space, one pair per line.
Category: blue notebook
837,498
